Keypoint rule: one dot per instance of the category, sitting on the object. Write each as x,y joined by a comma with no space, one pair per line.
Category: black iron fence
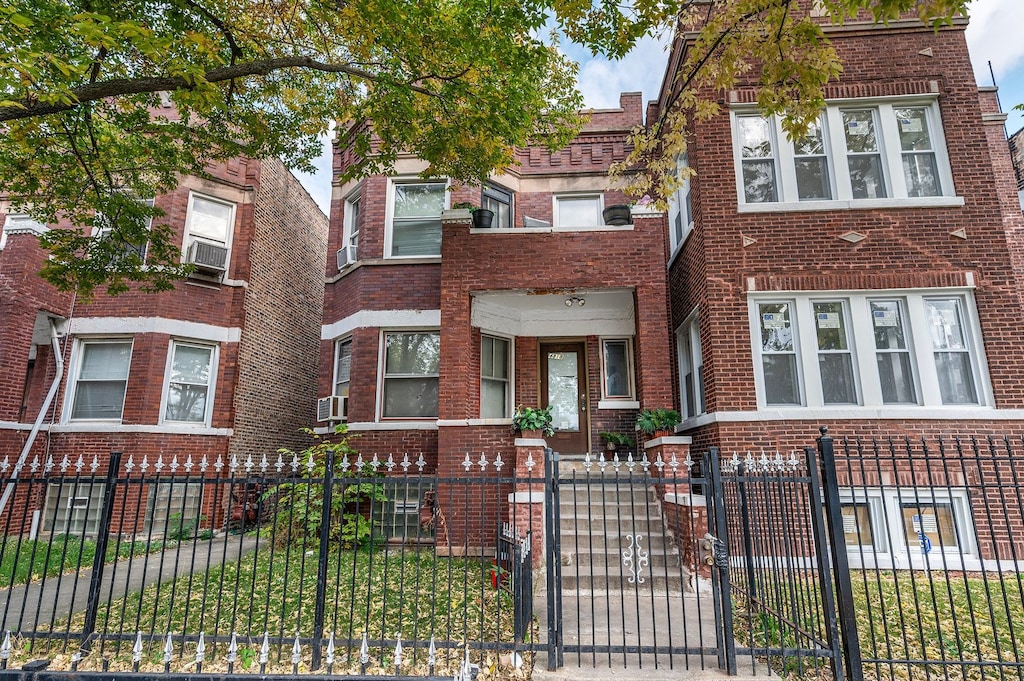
330,563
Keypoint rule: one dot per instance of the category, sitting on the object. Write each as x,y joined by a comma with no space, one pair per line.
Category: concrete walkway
42,602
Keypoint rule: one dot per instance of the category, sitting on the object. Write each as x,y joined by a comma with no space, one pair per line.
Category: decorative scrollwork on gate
634,550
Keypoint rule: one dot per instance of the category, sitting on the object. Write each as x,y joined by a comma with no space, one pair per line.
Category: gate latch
713,551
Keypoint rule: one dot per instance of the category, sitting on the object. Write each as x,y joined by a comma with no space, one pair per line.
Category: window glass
400,516
210,219
173,506
857,525
835,360
102,380
74,507
952,355
892,353
863,156
343,367
691,368
411,363
416,219
812,178
920,167
758,159
579,211
930,525
352,218
498,201
494,378
778,354
189,383
616,369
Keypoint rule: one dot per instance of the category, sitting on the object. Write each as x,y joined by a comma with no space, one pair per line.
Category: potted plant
533,422
620,214
482,218
657,422
616,441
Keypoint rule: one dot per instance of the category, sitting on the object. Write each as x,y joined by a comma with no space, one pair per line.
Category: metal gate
694,563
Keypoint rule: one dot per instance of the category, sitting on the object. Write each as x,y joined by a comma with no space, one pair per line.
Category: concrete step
599,579
582,494
612,561
605,542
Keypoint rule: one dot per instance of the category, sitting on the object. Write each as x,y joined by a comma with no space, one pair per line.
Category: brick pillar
455,398
653,335
526,503
686,512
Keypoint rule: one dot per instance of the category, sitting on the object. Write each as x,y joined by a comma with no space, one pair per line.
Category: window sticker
911,125
774,320
828,320
885,318
855,127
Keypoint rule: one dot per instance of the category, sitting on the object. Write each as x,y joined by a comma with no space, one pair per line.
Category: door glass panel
564,390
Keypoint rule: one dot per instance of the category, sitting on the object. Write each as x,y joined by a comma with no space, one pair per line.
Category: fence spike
659,463
65,463
688,462
467,464
673,462
375,462
295,463
405,462
34,466
264,463
5,465
629,461
359,462
76,657
345,464
249,465
219,464
5,647
201,648
168,649
189,465
587,463
310,464
431,656
467,668
398,653
233,648
296,650
645,463
329,657
203,463
364,651
280,463
391,463
265,649
483,461
137,648
530,463
94,466
498,463
601,461
159,465
421,462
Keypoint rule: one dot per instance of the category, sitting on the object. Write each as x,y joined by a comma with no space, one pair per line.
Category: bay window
101,379
415,226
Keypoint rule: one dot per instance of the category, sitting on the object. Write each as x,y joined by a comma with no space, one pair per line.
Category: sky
995,34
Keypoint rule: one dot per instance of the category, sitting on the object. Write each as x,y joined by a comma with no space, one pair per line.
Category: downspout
54,340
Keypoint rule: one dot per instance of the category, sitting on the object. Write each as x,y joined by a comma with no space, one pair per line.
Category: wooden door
564,388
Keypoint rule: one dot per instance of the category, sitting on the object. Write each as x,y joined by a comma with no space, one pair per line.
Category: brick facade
261,319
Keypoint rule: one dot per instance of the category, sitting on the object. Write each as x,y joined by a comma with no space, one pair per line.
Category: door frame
576,344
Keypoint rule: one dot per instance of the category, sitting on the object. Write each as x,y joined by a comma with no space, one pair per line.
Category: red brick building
222,366
865,277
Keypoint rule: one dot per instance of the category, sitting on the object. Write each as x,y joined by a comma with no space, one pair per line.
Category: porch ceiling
533,312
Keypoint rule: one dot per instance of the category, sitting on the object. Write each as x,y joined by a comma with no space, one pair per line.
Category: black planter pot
482,219
617,215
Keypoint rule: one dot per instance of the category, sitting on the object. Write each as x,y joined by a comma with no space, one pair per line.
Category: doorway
564,388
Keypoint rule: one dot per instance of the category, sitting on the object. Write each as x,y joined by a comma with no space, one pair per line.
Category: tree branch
26,108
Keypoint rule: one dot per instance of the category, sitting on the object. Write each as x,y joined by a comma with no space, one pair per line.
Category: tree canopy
106,102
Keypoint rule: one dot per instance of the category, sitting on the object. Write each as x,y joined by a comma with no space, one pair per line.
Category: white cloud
994,34
601,80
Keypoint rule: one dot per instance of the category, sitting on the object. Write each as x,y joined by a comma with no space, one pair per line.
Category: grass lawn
956,620
24,560
384,593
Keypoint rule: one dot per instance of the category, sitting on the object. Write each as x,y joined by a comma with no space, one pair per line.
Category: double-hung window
416,218
617,368
499,201
342,366
855,151
102,229
411,365
353,208
495,377
101,379
691,367
209,226
867,348
680,208
189,382
578,211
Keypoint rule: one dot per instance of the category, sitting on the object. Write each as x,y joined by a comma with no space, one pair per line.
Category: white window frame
690,355
389,213
891,549
351,226
192,195
510,382
381,378
78,354
680,211
556,220
210,388
862,341
887,134
630,370
347,340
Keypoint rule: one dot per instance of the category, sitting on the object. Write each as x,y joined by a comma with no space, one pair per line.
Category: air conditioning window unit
347,256
333,408
207,256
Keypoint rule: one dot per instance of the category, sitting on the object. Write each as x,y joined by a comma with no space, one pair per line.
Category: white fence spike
405,462
391,463
398,652
296,650
265,648
95,463
432,653
137,648
421,462
364,651
201,648
329,657
232,655
168,649
5,647
159,465
189,465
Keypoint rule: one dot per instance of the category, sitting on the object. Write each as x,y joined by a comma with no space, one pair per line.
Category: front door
564,388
